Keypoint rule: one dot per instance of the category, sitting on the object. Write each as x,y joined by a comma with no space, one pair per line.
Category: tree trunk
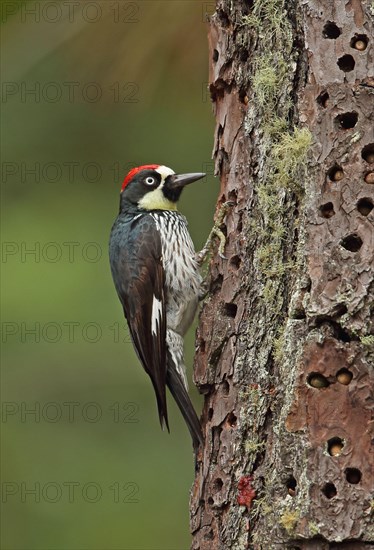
285,340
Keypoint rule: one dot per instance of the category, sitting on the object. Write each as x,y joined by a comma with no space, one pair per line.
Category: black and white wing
138,274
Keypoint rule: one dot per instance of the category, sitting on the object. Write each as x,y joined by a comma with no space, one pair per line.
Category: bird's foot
215,232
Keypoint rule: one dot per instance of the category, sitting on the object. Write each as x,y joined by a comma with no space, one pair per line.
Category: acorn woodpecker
156,274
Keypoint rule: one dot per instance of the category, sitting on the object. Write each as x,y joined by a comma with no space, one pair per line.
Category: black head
154,187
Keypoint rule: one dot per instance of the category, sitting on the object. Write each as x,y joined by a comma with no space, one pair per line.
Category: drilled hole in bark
299,313
291,486
224,18
217,484
369,177
202,345
232,196
235,261
335,173
231,310
367,153
244,55
291,483
329,490
210,414
217,92
340,309
317,380
335,446
331,30
346,63
215,56
225,387
327,210
243,98
232,419
210,501
365,206
338,331
353,475
359,42
352,242
323,98
347,120
344,376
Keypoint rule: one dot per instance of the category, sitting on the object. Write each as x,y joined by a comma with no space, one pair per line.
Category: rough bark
285,339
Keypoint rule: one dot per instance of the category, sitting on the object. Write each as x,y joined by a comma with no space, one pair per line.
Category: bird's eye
149,180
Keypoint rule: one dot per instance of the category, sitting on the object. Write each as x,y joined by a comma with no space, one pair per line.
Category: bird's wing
139,278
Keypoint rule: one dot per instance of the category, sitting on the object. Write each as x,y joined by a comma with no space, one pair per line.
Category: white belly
182,276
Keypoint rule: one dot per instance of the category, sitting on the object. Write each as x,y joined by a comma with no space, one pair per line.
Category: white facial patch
156,200
156,315
164,172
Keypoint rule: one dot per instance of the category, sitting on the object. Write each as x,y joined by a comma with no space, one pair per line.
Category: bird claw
216,232
203,291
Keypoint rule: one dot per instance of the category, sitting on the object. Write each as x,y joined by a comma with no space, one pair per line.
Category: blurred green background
89,90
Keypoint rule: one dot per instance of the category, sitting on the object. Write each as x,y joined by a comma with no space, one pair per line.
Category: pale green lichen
252,446
285,148
267,82
278,346
269,19
290,155
289,519
261,507
313,528
367,340
287,158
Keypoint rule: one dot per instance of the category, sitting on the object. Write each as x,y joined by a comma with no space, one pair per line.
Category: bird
155,271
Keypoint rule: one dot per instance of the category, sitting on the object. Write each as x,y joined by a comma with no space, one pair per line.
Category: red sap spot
246,491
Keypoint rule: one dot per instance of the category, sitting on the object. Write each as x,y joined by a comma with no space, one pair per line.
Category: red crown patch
134,171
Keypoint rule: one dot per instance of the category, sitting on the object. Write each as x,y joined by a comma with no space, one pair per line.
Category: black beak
177,181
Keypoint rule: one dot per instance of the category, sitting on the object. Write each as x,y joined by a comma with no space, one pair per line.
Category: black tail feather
162,412
179,392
